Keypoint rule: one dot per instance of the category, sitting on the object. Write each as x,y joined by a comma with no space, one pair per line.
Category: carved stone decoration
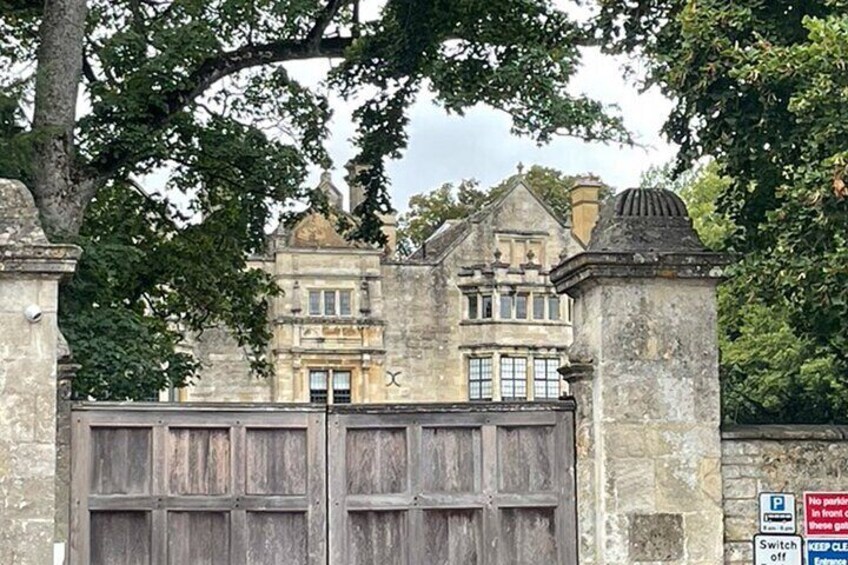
393,376
296,306
365,298
645,219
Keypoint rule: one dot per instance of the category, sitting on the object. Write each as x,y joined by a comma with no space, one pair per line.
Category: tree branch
120,153
327,14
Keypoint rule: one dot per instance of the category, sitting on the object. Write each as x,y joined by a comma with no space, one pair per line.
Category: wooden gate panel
485,484
175,484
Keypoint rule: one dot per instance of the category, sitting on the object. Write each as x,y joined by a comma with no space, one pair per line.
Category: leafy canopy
428,211
770,372
205,90
760,87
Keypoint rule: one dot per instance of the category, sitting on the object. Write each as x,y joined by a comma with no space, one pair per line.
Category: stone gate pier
644,371
30,270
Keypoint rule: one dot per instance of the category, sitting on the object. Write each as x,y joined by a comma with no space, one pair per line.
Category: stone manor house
471,315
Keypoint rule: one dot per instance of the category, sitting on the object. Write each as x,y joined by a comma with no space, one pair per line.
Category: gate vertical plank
159,516
416,515
491,527
567,489
337,483
238,517
80,538
316,468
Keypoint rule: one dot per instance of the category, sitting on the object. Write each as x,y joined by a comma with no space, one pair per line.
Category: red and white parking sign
826,514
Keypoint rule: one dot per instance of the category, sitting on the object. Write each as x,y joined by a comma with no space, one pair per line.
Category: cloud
444,148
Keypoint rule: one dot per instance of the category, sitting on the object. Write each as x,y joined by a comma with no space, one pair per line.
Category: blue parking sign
777,513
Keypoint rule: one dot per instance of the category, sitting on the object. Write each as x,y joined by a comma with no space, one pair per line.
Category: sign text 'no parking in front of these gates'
826,526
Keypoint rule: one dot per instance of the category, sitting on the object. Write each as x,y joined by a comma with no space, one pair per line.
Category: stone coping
576,270
564,405
799,432
47,259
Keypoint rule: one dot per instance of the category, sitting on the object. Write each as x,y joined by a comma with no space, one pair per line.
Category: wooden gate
486,484
190,485
464,484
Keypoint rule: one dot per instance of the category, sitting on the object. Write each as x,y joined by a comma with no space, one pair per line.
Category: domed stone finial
645,219
641,233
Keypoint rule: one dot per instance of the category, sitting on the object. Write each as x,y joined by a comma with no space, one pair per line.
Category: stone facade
644,372
30,342
391,330
791,459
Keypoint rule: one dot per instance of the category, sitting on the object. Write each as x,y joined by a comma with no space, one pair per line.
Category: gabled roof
453,232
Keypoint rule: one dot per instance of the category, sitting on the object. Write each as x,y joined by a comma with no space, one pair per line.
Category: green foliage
430,210
427,212
200,87
700,188
148,281
769,373
760,87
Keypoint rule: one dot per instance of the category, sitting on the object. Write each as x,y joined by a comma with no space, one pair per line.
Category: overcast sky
449,148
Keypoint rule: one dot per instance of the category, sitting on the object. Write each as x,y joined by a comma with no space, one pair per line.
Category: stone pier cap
641,233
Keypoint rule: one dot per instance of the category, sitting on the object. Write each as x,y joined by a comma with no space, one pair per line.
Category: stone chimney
334,195
357,196
356,190
390,231
584,208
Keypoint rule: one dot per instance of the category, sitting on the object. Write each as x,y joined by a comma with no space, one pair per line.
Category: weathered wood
120,538
199,461
377,537
450,459
80,527
525,458
453,537
528,537
178,480
477,481
199,538
277,538
276,461
120,460
376,461
420,485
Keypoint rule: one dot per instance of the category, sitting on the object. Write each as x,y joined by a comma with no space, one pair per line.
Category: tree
160,75
759,86
769,373
700,188
427,212
201,88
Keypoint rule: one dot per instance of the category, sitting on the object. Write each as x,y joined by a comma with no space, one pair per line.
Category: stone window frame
513,377
538,298
508,246
332,392
337,302
550,377
480,370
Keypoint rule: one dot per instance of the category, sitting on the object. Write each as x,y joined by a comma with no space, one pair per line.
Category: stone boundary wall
790,459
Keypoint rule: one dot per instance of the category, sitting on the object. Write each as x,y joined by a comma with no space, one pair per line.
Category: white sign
777,513
777,550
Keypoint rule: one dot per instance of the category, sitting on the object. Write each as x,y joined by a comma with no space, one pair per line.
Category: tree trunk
60,54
